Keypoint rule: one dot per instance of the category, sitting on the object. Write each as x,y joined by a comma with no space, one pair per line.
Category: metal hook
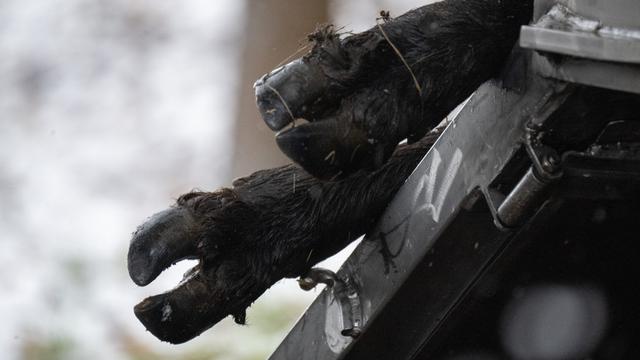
344,291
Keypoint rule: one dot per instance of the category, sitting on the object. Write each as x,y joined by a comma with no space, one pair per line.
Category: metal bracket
580,42
344,291
546,161
532,189
435,214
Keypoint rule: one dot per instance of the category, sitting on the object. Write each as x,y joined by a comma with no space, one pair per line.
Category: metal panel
469,155
580,50
560,30
587,45
606,75
407,285
616,13
622,13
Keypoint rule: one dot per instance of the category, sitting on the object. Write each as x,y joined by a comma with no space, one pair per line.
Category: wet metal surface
472,151
596,50
621,13
440,234
564,32
608,75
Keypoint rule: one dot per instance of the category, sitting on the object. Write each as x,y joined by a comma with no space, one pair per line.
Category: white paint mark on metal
334,324
429,181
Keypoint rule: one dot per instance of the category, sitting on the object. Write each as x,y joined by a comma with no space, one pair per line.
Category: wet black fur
451,47
285,220
370,91
279,222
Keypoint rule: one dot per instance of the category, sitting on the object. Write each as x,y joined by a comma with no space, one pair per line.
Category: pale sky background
109,109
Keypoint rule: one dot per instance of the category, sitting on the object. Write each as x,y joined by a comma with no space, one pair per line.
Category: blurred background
109,110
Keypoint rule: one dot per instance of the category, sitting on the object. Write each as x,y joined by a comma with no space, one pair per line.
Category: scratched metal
471,152
608,75
562,31
622,13
619,13
601,54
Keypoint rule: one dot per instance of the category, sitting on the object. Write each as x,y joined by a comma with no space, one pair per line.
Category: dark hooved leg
364,93
272,224
360,99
